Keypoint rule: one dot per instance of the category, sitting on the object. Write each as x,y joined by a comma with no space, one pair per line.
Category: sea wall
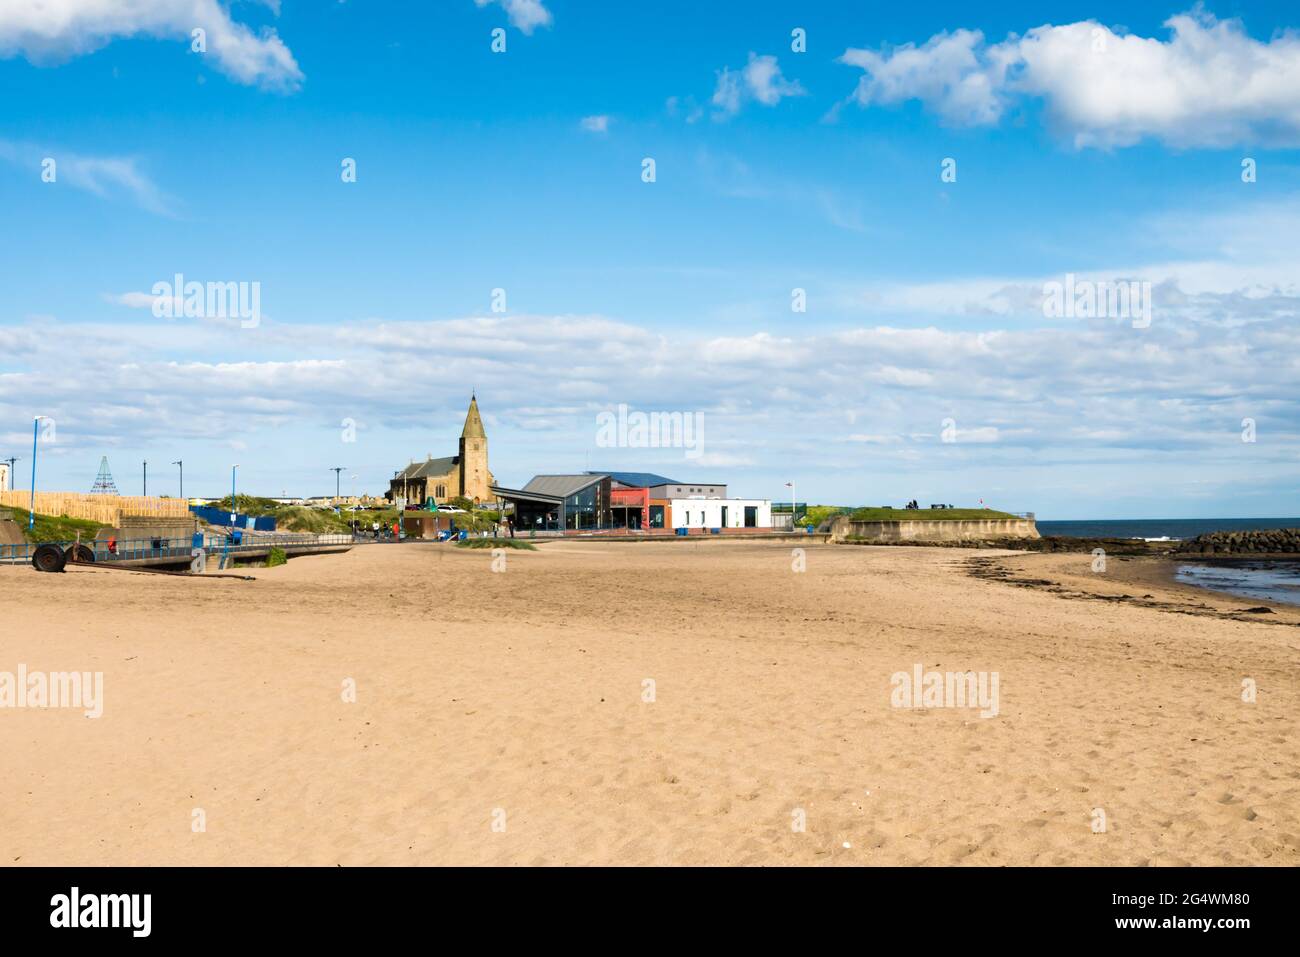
1277,541
888,533
11,532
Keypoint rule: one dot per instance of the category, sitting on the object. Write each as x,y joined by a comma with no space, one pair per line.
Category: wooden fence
98,508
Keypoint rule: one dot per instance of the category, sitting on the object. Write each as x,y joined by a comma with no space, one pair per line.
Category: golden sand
501,717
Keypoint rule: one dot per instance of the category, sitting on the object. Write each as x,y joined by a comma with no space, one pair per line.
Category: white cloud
104,176
759,80
525,15
954,73
1209,84
56,30
596,124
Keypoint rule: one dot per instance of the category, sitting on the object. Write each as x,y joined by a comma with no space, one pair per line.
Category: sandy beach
502,717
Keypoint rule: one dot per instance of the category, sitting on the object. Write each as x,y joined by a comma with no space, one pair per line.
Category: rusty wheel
80,553
49,558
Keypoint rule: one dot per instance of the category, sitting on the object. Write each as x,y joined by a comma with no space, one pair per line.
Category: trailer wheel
49,558
80,553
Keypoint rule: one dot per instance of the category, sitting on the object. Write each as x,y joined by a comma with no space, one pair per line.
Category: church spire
473,424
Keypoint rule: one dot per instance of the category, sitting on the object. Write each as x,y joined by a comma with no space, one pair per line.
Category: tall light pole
337,470
225,555
31,512
181,466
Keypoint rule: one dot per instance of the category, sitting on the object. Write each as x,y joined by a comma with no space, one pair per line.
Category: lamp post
31,512
225,557
181,466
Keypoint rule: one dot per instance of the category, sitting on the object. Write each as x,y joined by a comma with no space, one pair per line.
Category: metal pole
145,491
226,553
31,512
181,465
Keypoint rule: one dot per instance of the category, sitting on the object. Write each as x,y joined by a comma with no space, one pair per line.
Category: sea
1161,529
1277,581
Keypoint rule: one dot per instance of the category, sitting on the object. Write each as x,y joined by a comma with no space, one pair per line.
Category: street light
31,512
225,555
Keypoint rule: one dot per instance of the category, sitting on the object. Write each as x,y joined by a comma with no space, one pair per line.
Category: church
438,480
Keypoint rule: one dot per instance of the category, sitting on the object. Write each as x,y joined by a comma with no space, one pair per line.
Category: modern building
628,501
661,487
560,503
721,513
437,480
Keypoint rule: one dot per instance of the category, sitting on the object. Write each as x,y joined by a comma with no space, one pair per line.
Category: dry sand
522,691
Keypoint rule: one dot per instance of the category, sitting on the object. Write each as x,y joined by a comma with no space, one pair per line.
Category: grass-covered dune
49,528
497,543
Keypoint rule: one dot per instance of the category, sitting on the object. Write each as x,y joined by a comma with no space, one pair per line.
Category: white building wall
707,512
5,484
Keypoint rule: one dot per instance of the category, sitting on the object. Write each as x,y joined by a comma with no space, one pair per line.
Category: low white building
693,513
5,483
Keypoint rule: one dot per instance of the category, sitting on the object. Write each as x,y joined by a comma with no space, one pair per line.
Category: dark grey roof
638,479
516,494
428,468
561,485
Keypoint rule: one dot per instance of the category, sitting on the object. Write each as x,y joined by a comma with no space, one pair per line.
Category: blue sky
1088,139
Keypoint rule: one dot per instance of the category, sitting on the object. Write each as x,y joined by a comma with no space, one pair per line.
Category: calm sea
1261,581
1161,528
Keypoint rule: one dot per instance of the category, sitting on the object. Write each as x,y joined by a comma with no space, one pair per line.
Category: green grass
925,514
304,518
497,543
50,529
276,557
816,514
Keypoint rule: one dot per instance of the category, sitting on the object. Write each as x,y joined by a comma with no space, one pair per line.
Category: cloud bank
1209,84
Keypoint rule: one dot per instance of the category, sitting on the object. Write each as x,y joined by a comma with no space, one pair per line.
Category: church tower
474,475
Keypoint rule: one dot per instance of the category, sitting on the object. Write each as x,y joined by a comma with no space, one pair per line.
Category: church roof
473,424
429,468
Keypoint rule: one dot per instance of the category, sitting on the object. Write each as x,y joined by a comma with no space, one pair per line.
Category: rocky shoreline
1284,542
